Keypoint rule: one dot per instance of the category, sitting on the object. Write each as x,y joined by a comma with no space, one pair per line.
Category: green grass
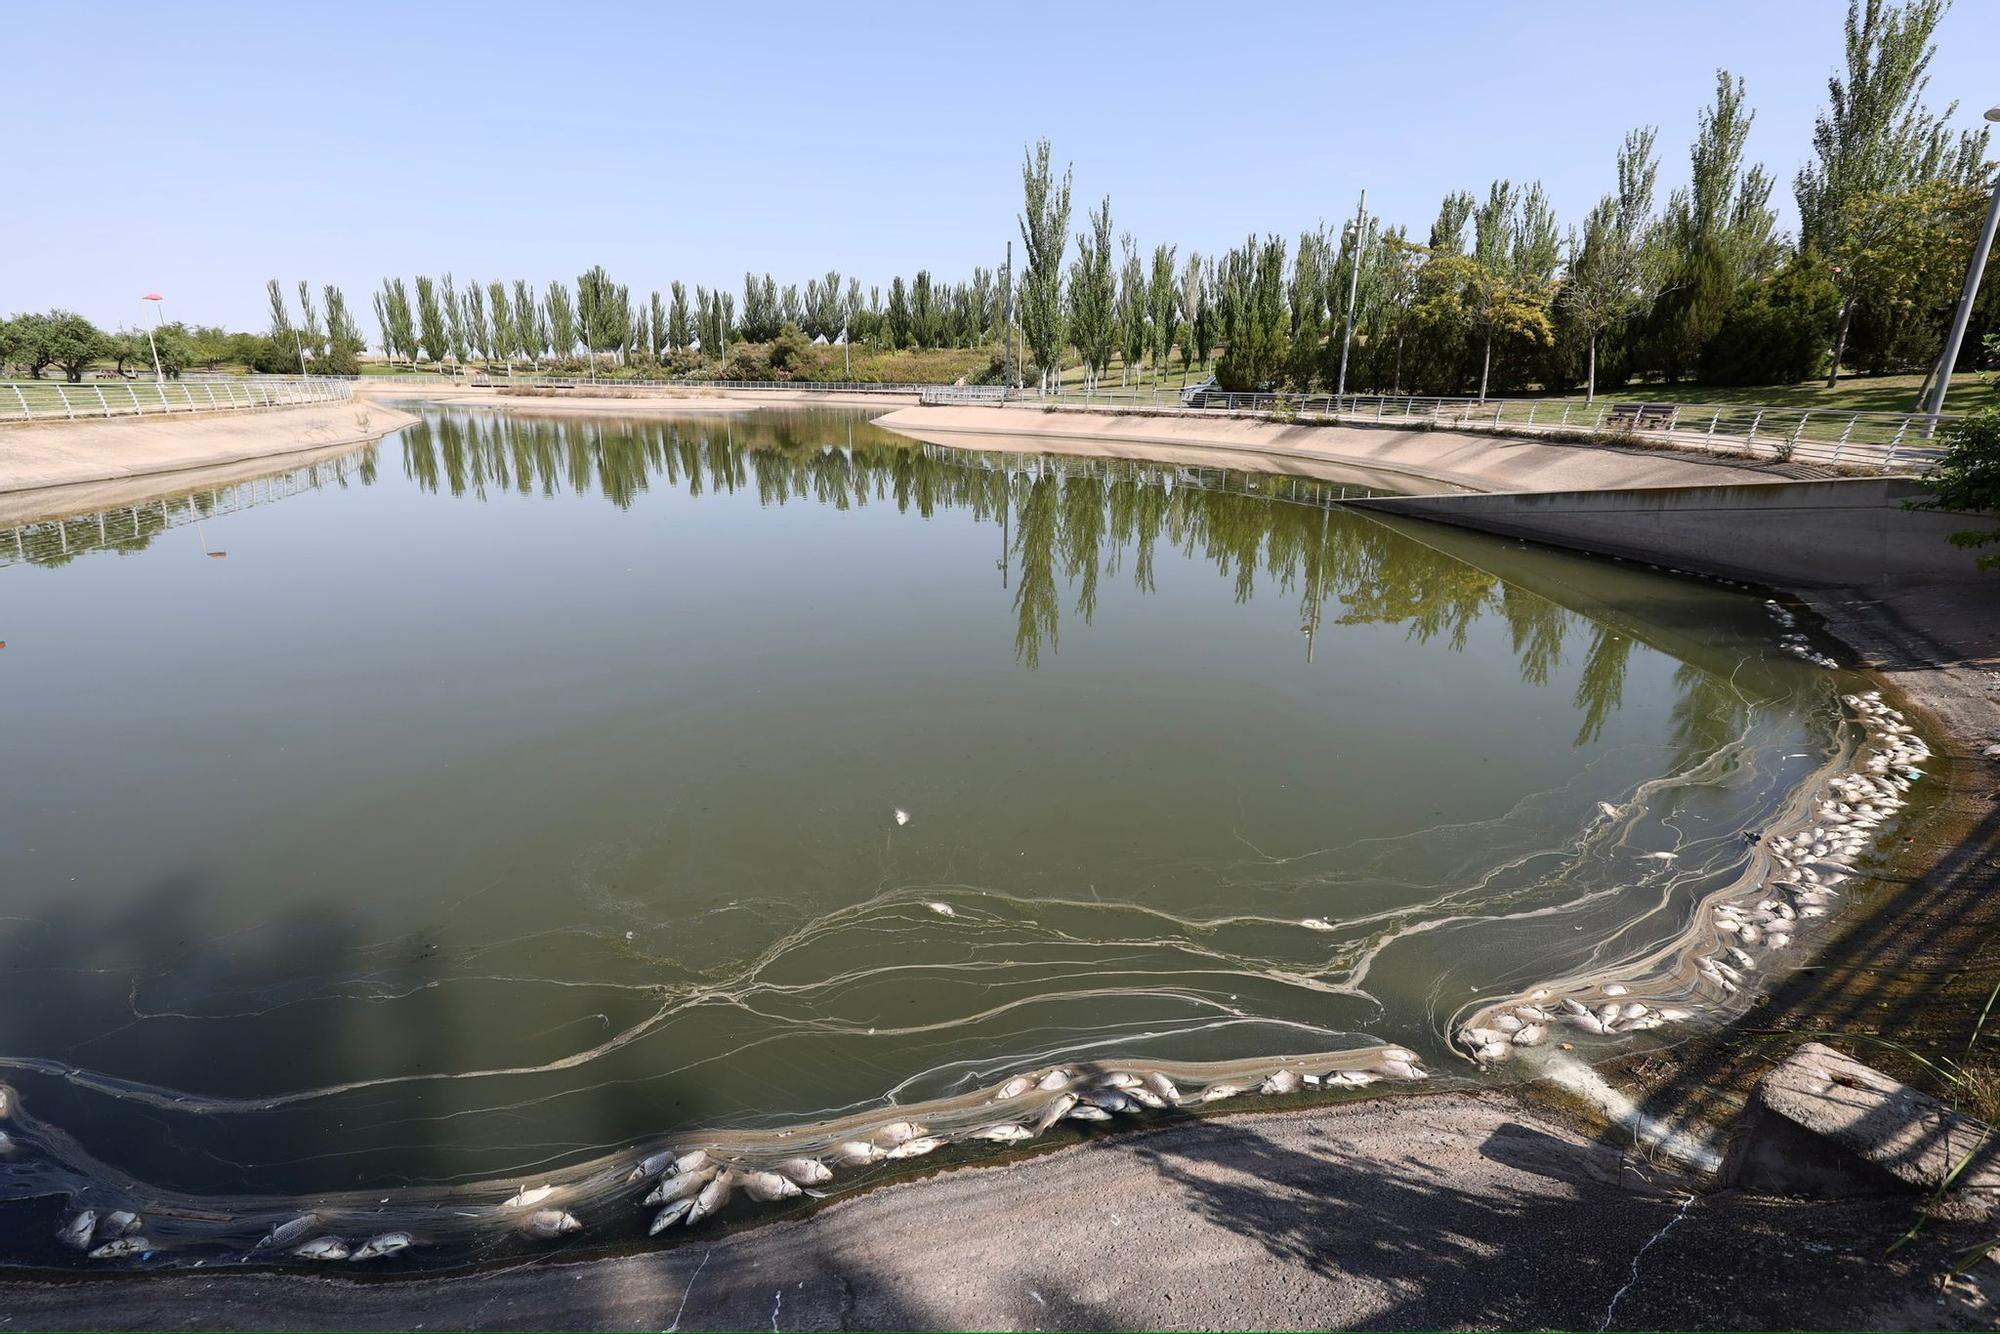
1877,393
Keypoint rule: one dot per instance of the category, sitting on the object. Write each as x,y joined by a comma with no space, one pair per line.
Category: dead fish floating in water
1318,924
805,1171
693,1162
549,1224
1084,1111
769,1186
652,1165
1006,1132
1217,1092
685,1186
119,1249
323,1248
669,1216
386,1243
77,1232
898,1132
1659,856
902,816
1349,1079
524,1197
1109,1100
713,1196
284,1234
122,1223
856,1153
1057,1078
1163,1086
1610,811
1057,1109
1013,1088
942,909
917,1148
1284,1081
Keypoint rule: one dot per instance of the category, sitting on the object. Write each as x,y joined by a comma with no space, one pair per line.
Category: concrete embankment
621,401
1462,461
35,455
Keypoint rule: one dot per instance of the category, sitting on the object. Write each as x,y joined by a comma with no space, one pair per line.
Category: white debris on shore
1807,865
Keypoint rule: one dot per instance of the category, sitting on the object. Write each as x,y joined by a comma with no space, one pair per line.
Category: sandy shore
1473,462
38,455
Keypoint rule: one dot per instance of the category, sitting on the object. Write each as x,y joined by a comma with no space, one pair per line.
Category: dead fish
551,1223
1110,1100
323,1248
1217,1092
284,1234
1349,1079
1145,1097
1676,1016
1006,1132
1084,1111
692,1162
119,1249
684,1186
1659,856
1119,1079
1530,1035
524,1197
1507,1023
386,1243
1057,1078
918,1147
713,1196
769,1186
123,1223
77,1232
898,1132
669,1216
1494,1051
855,1153
1610,811
652,1165
6,1142
1615,989
902,816
806,1171
1163,1086
942,909
1396,1068
1285,1081
1013,1088
1632,1010
6,1100
1055,1111
1317,924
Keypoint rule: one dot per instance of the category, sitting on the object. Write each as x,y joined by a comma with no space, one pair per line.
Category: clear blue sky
197,150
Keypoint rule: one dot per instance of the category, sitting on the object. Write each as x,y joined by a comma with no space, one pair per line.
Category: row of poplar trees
1497,295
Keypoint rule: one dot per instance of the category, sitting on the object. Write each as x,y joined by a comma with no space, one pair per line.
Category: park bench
1642,416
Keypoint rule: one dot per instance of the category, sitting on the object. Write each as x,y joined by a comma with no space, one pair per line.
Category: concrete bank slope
1424,1212
611,401
49,454
1463,461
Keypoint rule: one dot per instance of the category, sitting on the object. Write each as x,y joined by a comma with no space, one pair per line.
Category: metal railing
45,400
1833,437
489,381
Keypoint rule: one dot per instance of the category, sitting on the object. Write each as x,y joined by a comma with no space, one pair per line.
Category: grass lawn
1879,393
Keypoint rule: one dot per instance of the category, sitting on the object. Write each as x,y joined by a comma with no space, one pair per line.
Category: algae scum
519,799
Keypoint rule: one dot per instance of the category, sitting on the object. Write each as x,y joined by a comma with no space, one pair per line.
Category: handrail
43,400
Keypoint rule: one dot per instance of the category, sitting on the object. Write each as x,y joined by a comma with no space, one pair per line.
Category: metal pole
1964,311
1353,287
158,378
1007,316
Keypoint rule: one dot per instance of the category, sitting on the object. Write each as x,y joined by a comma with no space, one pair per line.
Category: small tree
73,343
1967,480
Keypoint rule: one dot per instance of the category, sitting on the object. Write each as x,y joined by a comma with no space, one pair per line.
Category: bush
1967,479
1778,331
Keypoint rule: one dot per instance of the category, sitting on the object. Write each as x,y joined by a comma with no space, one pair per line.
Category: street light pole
151,342
1353,289
1980,251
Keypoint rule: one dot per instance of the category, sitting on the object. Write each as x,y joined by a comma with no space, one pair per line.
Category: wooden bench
1642,416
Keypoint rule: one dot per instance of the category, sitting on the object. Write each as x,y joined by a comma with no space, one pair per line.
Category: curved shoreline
1935,681
42,456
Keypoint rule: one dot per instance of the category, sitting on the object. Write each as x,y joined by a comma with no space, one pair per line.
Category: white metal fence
46,400
1826,436
486,381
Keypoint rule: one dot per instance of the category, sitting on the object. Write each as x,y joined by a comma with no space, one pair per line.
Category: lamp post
1360,226
1980,251
158,301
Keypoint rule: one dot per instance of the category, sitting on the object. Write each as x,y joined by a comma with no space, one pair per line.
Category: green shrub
1967,479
